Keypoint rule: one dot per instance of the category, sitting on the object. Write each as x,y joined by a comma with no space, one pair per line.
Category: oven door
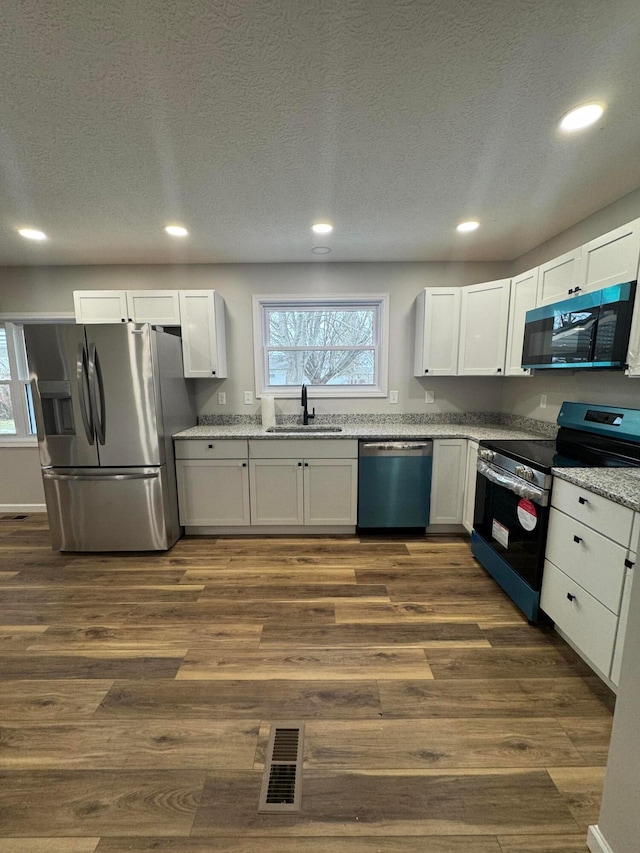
512,517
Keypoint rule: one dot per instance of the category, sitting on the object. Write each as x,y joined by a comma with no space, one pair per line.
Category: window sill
18,442
314,394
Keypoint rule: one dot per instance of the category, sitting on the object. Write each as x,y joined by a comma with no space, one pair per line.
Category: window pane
338,327
7,423
5,371
321,367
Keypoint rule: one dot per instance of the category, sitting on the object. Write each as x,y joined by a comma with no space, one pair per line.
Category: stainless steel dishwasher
394,483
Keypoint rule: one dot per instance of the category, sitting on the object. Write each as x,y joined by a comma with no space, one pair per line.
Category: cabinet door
559,276
616,665
100,306
470,485
611,258
161,307
330,491
276,491
447,485
524,297
437,331
483,328
203,334
213,491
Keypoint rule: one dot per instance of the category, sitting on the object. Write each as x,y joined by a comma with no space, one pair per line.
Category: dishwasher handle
396,448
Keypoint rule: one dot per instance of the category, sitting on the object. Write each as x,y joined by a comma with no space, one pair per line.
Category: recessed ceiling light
321,250
176,230
322,228
468,226
32,234
581,117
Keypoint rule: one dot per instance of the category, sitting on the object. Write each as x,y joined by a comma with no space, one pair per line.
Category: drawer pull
571,597
577,539
244,464
583,501
629,564
210,446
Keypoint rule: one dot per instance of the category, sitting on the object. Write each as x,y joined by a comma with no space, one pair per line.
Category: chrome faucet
306,417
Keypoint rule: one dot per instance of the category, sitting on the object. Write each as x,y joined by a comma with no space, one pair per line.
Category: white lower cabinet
588,573
304,482
448,478
213,483
470,485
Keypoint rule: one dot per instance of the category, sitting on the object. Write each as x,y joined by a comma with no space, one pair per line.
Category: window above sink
337,346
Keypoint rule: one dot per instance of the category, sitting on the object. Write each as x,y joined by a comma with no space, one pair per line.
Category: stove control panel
525,473
486,455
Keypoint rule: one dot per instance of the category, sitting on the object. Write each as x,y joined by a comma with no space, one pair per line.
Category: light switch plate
222,398
248,398
393,396
429,397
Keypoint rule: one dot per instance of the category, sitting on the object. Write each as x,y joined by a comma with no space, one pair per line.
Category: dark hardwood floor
137,692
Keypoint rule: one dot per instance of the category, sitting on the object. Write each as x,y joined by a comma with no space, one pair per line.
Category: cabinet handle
213,372
299,464
577,290
577,539
571,597
583,501
570,291
499,370
629,564
244,464
306,464
210,446
426,370
123,319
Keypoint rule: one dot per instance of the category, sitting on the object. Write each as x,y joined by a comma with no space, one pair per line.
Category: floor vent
281,782
14,517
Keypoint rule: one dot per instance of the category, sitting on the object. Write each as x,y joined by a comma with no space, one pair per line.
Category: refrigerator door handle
95,378
83,384
48,475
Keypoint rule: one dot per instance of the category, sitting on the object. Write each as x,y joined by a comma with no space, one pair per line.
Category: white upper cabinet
559,278
160,307
204,352
524,297
483,328
611,258
100,306
437,331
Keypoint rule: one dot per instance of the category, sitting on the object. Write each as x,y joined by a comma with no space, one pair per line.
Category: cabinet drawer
609,518
211,449
303,448
589,625
589,558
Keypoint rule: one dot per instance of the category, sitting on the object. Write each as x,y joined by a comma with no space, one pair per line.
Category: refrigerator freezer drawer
112,509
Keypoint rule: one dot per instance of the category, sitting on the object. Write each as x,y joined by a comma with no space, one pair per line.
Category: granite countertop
621,485
369,431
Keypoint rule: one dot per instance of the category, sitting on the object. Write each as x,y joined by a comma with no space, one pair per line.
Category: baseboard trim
23,508
272,530
596,842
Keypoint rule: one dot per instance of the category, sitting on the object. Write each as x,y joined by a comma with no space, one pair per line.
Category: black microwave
587,331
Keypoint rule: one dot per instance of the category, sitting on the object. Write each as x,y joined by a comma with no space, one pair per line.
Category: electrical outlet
248,398
222,398
543,401
393,396
429,397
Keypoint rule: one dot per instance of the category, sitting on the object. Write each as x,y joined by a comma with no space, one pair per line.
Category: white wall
41,289
20,481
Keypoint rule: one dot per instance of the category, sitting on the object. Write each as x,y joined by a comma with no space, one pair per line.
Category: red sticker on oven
527,515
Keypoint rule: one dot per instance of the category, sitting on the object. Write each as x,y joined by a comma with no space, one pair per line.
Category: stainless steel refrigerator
107,399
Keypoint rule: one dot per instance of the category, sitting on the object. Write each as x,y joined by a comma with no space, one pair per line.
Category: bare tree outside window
7,423
321,346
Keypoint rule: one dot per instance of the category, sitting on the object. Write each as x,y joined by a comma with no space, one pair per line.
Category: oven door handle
513,484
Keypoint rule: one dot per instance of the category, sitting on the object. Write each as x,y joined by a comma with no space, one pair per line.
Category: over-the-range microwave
589,331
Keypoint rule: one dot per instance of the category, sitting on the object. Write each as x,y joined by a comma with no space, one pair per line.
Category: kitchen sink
303,428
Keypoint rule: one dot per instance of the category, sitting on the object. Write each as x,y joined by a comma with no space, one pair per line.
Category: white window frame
18,385
14,325
381,342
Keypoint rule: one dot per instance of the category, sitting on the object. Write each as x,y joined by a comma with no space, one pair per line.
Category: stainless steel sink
303,428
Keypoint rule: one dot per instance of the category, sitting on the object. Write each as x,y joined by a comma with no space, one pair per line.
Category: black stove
513,490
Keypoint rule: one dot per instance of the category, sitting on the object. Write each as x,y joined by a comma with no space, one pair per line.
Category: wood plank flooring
137,692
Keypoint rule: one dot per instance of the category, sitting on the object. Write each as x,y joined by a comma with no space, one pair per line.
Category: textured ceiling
249,119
